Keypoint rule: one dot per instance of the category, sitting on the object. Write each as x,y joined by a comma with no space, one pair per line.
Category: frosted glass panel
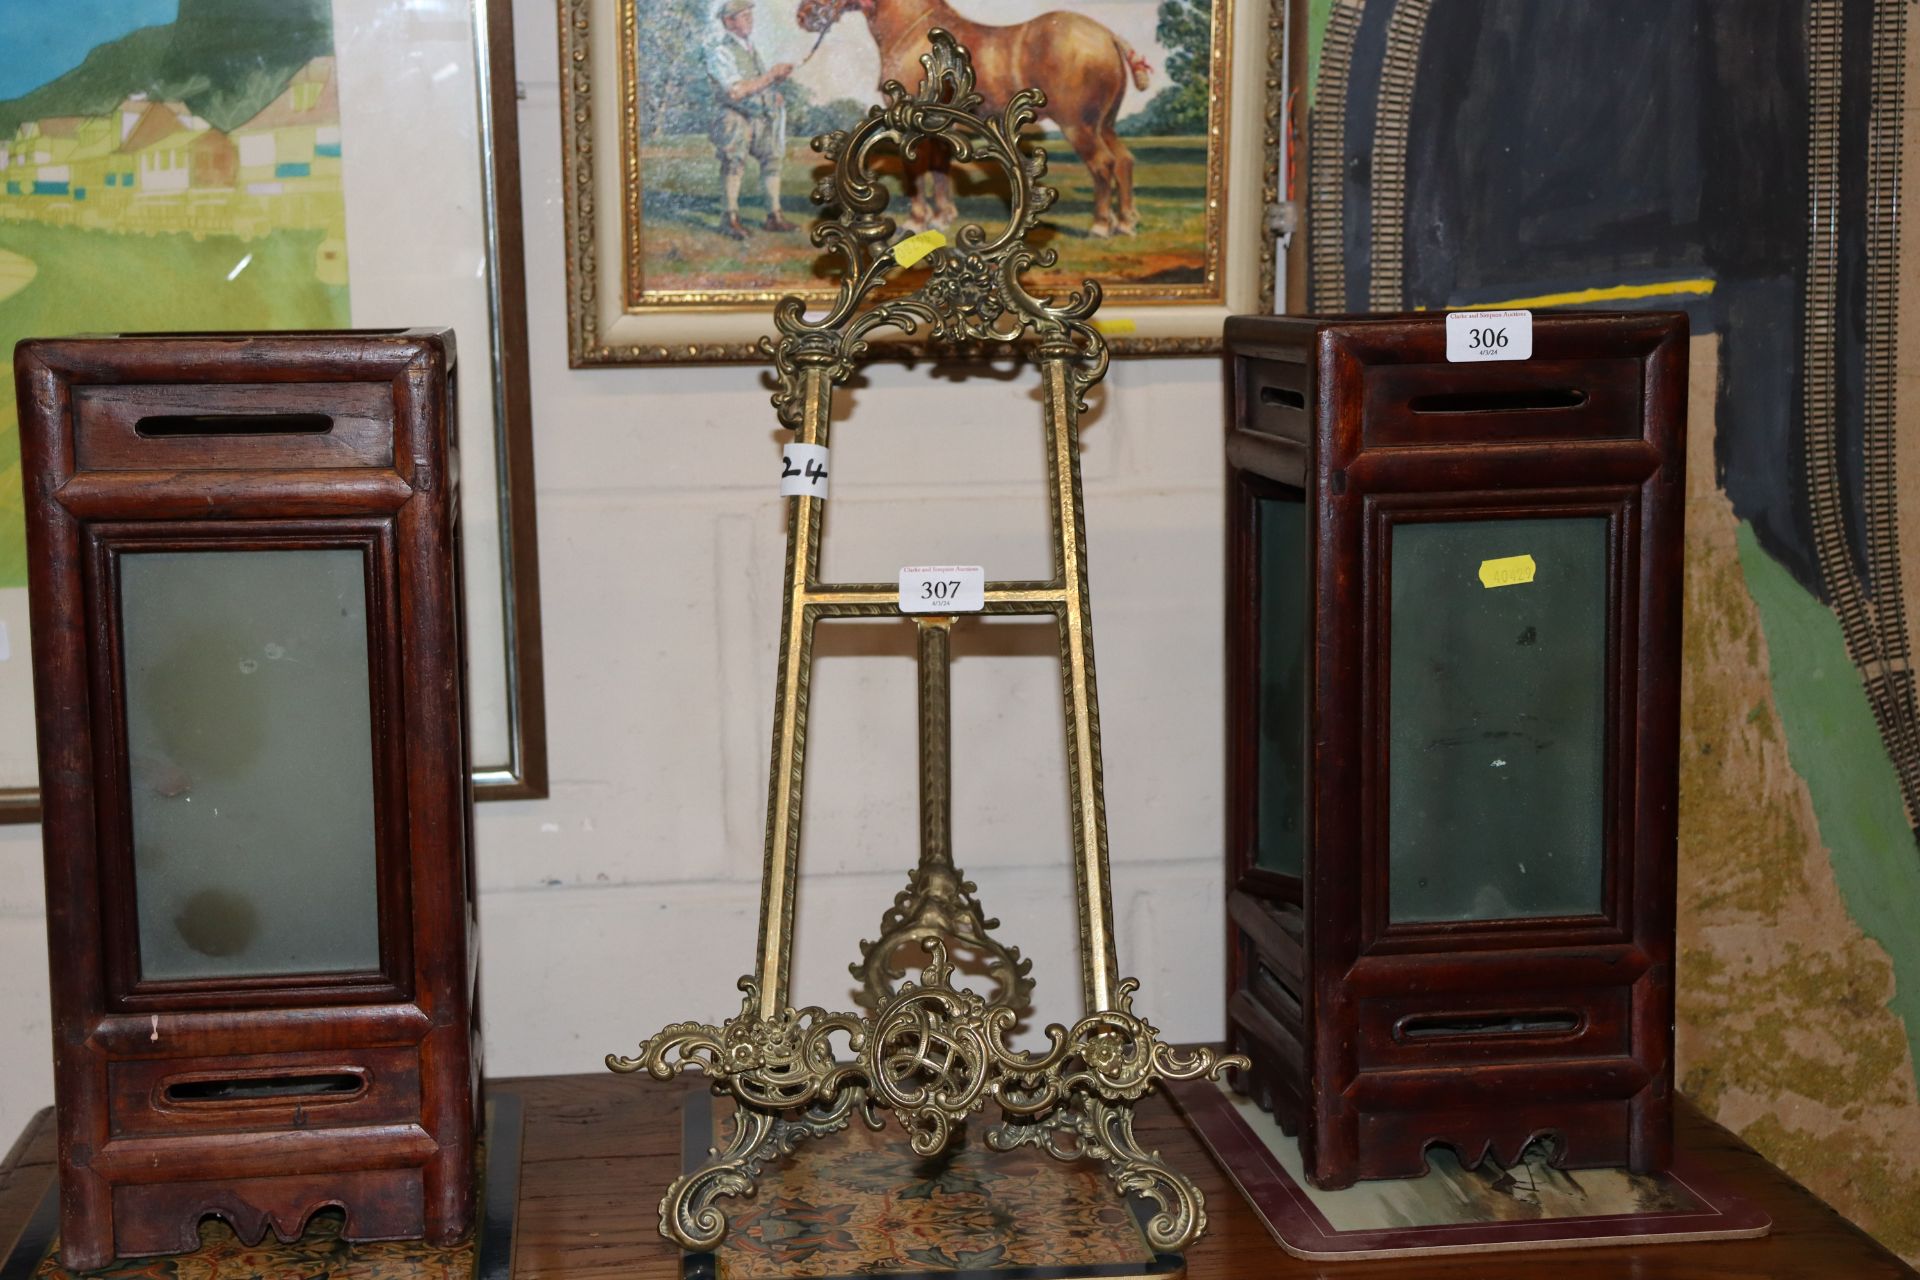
1496,773
250,747
1280,541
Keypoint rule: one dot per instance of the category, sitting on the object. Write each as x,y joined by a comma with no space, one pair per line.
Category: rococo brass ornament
929,1052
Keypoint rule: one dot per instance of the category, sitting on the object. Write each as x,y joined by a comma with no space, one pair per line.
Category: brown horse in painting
1081,64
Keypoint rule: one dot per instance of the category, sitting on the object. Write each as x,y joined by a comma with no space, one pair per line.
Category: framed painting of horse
686,140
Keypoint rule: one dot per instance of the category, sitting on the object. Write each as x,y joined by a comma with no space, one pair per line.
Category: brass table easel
932,1053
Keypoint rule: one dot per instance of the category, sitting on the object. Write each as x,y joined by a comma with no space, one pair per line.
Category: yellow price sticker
1507,571
909,251
1118,328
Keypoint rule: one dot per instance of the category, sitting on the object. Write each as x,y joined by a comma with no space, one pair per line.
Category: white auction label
6,649
1489,335
803,471
943,588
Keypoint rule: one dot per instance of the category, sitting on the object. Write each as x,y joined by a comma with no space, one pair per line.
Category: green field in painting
683,249
102,282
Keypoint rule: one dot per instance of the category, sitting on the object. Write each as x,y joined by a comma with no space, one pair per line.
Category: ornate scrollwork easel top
974,293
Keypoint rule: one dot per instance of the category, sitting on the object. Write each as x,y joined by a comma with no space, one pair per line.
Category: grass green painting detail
181,174
1319,14
1834,744
82,287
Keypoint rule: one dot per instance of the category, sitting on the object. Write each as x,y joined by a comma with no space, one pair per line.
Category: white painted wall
628,900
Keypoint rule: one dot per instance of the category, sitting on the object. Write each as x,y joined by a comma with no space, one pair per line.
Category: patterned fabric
861,1203
319,1254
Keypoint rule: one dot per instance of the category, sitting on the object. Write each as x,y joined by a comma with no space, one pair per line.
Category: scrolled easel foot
1091,1128
688,1215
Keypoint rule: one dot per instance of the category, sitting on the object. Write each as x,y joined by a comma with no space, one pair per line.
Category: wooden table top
600,1149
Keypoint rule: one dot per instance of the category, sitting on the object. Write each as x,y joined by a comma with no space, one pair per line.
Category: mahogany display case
248,670
1453,620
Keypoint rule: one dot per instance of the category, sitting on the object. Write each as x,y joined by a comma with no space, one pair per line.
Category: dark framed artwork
183,165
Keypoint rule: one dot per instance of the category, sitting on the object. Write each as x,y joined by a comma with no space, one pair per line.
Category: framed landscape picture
687,126
281,164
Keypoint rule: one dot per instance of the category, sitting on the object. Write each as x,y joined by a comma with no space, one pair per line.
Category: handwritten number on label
803,471
814,473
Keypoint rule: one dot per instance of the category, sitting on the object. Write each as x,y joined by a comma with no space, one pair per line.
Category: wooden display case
247,635
1453,616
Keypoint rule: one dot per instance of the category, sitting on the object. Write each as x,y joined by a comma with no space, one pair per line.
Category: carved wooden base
384,1214
148,1219
387,1204
1599,1112
1584,1135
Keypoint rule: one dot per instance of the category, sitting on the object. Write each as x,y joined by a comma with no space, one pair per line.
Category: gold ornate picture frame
658,272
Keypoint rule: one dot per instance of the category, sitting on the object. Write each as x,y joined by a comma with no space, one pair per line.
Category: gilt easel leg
787,775
1099,959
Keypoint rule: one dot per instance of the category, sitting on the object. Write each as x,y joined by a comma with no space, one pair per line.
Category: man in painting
750,116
